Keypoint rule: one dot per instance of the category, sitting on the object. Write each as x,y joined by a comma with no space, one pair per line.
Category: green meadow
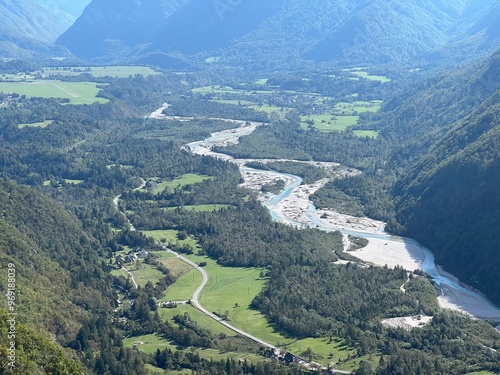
201,207
42,124
149,344
76,92
184,287
359,106
365,75
228,291
329,122
143,273
170,236
362,73
233,289
218,89
186,179
201,319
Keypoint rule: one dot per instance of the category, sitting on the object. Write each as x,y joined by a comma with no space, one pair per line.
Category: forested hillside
268,34
450,202
448,162
29,29
60,282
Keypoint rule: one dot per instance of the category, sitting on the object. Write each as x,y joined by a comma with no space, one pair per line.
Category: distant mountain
448,200
117,25
489,24
356,32
28,28
72,7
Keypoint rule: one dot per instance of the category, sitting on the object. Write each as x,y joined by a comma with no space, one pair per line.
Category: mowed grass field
201,207
142,274
346,114
42,124
170,235
186,179
359,106
366,75
230,286
329,122
201,319
76,92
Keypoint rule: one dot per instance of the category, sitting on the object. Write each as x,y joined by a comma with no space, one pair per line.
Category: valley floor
295,208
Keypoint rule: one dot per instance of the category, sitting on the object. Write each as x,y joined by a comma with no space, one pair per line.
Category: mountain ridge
347,32
29,29
448,198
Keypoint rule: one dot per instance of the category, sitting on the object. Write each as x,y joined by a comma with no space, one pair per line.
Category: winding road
195,301
246,128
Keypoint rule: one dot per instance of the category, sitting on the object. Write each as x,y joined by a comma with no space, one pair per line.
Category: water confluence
284,207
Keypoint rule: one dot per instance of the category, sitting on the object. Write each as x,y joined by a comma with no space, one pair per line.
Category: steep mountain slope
387,30
489,23
28,28
449,199
357,32
58,280
72,7
108,25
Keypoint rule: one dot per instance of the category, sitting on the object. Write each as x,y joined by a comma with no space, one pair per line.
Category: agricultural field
359,107
149,344
254,105
66,180
342,116
201,319
184,287
328,122
143,273
228,291
233,289
170,236
75,92
361,73
187,179
262,81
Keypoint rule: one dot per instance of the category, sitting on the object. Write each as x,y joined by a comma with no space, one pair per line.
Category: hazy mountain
449,200
108,25
72,7
489,24
374,31
28,28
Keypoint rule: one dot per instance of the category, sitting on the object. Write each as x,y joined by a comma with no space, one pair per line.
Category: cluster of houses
280,355
132,255
288,358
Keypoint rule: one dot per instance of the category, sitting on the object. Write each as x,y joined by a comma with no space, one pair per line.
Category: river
292,206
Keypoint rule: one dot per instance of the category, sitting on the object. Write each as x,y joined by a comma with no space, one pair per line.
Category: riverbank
294,207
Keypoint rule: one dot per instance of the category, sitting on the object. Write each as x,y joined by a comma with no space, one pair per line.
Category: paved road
196,302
